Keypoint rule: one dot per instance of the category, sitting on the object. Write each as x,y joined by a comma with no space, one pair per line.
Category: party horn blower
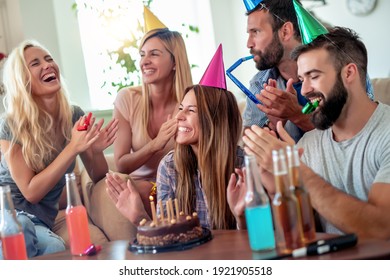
310,107
247,92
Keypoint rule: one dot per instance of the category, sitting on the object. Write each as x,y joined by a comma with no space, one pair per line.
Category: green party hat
309,26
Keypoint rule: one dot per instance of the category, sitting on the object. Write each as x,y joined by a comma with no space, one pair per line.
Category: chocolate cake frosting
181,229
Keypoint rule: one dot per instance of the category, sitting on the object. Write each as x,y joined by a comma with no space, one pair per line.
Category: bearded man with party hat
273,33
274,29
345,161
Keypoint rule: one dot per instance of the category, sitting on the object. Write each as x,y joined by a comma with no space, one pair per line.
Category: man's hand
282,105
260,142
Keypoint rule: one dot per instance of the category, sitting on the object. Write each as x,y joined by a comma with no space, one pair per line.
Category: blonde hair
219,131
31,126
174,44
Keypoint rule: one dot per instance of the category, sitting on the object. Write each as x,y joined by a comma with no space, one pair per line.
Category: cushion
97,236
105,215
382,89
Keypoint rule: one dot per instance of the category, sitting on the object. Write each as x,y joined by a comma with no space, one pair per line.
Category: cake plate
136,248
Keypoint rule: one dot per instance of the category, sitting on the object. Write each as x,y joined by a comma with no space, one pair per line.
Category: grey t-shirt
46,210
353,165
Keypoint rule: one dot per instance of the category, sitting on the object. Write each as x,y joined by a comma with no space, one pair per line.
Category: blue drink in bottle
257,210
260,227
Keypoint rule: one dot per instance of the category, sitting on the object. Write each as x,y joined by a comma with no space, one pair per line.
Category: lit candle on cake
160,205
168,212
153,207
177,208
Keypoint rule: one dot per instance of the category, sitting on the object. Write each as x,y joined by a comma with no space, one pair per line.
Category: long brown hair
219,131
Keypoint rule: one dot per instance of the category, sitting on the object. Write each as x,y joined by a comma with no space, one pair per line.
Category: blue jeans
40,240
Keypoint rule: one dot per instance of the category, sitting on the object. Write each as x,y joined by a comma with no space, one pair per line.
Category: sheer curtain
105,24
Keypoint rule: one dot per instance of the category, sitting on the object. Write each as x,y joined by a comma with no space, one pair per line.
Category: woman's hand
166,132
236,192
107,136
126,198
83,140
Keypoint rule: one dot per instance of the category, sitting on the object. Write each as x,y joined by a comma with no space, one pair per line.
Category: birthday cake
179,229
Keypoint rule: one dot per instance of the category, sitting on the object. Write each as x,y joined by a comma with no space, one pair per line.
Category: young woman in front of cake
198,171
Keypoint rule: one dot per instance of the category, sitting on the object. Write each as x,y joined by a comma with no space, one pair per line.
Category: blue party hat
251,4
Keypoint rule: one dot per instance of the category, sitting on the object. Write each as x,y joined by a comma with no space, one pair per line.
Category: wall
371,28
53,23
229,21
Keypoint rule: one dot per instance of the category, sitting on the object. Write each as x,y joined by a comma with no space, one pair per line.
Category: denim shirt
167,180
254,116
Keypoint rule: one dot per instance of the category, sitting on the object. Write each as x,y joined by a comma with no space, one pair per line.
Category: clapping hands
166,132
236,192
107,136
126,198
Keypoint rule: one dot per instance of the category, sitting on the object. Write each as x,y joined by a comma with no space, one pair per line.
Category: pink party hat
251,4
214,76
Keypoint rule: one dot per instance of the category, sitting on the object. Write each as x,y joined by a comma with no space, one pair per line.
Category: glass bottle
288,229
257,209
297,187
11,233
76,218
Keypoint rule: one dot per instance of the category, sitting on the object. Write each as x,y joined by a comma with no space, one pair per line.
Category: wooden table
226,245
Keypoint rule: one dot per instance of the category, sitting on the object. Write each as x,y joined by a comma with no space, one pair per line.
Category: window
105,25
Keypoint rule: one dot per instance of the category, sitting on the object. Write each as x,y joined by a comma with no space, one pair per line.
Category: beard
272,54
331,107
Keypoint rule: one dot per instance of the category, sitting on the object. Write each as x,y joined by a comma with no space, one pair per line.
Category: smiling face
45,74
321,81
188,121
263,43
156,62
